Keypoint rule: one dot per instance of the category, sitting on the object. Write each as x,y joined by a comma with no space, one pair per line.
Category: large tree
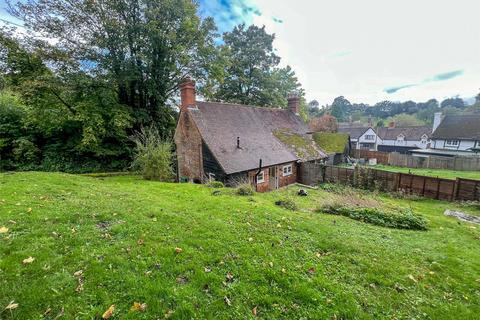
251,73
141,48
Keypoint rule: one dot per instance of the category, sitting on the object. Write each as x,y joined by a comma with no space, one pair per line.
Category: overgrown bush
245,189
287,204
153,155
398,220
215,184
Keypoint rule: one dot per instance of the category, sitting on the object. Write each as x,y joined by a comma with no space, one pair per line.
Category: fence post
423,188
455,189
438,188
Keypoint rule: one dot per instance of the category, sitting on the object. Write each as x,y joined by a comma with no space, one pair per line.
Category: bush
287,204
397,220
215,184
245,189
153,155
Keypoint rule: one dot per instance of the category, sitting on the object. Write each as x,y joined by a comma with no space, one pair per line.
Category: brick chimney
187,93
391,124
294,103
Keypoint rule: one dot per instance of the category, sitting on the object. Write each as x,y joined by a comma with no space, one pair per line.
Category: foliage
325,123
287,203
397,220
300,144
215,184
244,189
340,107
405,120
251,74
331,142
153,155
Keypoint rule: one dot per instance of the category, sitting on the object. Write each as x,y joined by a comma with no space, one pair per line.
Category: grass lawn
98,242
447,174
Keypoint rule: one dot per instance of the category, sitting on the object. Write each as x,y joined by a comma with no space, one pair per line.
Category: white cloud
359,48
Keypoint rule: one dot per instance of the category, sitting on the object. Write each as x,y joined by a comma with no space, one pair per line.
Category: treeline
79,78
404,113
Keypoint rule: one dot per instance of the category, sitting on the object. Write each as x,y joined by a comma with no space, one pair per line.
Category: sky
366,50
369,50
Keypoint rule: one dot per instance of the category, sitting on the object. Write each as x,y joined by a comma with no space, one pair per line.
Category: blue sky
369,50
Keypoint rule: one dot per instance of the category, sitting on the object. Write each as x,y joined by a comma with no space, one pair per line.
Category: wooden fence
460,163
369,178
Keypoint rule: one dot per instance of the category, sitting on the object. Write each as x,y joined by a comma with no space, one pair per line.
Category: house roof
354,132
409,133
464,126
331,142
271,134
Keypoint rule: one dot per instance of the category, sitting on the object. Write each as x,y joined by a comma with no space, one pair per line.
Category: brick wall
189,148
282,180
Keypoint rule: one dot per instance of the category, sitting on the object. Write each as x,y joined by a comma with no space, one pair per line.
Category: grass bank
185,253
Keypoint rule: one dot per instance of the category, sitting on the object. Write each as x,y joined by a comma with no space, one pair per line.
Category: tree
251,74
140,48
455,102
325,123
340,108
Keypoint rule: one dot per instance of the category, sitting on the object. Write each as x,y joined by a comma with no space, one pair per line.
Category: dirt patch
462,216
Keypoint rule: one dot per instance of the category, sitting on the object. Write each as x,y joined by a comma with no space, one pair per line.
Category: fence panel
429,187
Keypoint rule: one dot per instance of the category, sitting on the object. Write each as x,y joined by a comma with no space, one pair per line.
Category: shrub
153,155
397,220
215,184
245,189
287,204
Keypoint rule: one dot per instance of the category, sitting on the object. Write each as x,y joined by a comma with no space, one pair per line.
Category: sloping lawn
440,173
98,242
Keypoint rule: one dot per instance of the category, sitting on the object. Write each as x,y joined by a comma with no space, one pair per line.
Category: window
261,177
452,143
401,137
287,170
424,138
369,137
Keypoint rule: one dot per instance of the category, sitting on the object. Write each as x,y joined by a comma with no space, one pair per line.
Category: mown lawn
238,253
440,173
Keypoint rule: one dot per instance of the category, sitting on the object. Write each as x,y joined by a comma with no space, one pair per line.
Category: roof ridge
244,105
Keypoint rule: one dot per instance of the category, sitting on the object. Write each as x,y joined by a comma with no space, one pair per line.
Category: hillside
96,242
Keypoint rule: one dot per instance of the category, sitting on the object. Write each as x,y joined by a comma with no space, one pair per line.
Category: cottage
403,139
364,138
232,142
454,135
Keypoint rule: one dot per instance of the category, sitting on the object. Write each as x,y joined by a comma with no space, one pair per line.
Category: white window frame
400,137
261,177
424,138
287,170
370,137
452,143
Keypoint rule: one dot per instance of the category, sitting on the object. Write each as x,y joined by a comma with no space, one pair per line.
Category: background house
454,135
403,139
361,137
232,142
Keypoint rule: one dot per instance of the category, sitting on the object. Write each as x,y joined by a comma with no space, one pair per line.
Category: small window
424,138
401,137
287,170
369,137
452,143
261,177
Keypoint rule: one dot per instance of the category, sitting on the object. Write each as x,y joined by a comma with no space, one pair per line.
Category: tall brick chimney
187,93
294,103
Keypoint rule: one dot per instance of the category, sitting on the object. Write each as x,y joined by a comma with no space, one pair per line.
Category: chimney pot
294,103
391,124
187,93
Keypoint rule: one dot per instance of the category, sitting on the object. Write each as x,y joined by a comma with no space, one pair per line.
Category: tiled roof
459,127
410,133
354,132
221,123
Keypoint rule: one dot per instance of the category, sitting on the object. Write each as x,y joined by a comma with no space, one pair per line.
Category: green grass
122,232
447,174
331,142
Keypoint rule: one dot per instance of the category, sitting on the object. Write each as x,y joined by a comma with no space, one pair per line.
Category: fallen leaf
12,305
109,312
137,306
254,311
3,229
283,270
168,314
227,301
47,311
140,242
28,260
311,270
78,273
412,278
29,210
207,269
178,250
270,264
250,239
229,277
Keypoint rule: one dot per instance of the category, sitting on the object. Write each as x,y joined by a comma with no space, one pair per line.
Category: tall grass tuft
153,155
